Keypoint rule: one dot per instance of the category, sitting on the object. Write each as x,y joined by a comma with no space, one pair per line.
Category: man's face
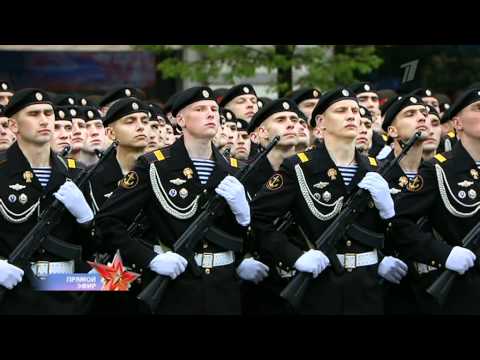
241,149
220,139
467,121
200,120
34,124
408,121
435,134
230,130
243,106
130,131
168,136
153,134
433,102
6,136
281,124
79,134
307,106
5,97
62,136
369,100
341,120
95,136
303,133
364,138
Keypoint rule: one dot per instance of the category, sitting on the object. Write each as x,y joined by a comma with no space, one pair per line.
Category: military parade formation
338,202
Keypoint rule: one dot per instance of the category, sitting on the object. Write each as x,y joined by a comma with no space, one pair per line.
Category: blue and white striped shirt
204,169
43,175
348,172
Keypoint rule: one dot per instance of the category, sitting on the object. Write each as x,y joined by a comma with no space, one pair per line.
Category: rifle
441,287
186,244
48,219
326,242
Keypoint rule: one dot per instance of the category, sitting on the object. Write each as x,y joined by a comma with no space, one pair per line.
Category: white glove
10,275
169,264
71,196
233,192
392,269
380,191
313,261
252,270
460,260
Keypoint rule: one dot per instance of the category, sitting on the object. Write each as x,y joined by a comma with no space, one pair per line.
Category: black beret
91,113
75,111
62,114
362,87
262,101
444,107
156,112
242,125
431,111
66,100
329,99
227,116
276,106
168,106
120,93
399,105
238,90
124,107
190,96
5,86
422,93
26,97
386,105
365,113
304,94
219,94
467,98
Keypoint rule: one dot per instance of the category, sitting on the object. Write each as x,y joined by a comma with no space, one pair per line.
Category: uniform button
349,243
390,224
433,262
133,266
349,270
207,271
280,264
205,246
370,204
42,251
205,191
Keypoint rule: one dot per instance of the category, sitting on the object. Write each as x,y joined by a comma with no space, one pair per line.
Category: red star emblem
114,275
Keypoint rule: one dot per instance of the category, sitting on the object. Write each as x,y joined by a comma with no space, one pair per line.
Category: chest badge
28,176
130,180
474,173
332,174
416,184
178,181
23,199
472,194
188,173
465,184
275,182
321,185
183,193
12,198
402,181
17,187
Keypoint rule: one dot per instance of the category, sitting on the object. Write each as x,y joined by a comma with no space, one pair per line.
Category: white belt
352,261
209,260
45,268
423,268
286,274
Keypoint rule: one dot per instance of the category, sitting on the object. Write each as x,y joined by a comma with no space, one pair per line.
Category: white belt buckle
42,268
350,261
207,260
